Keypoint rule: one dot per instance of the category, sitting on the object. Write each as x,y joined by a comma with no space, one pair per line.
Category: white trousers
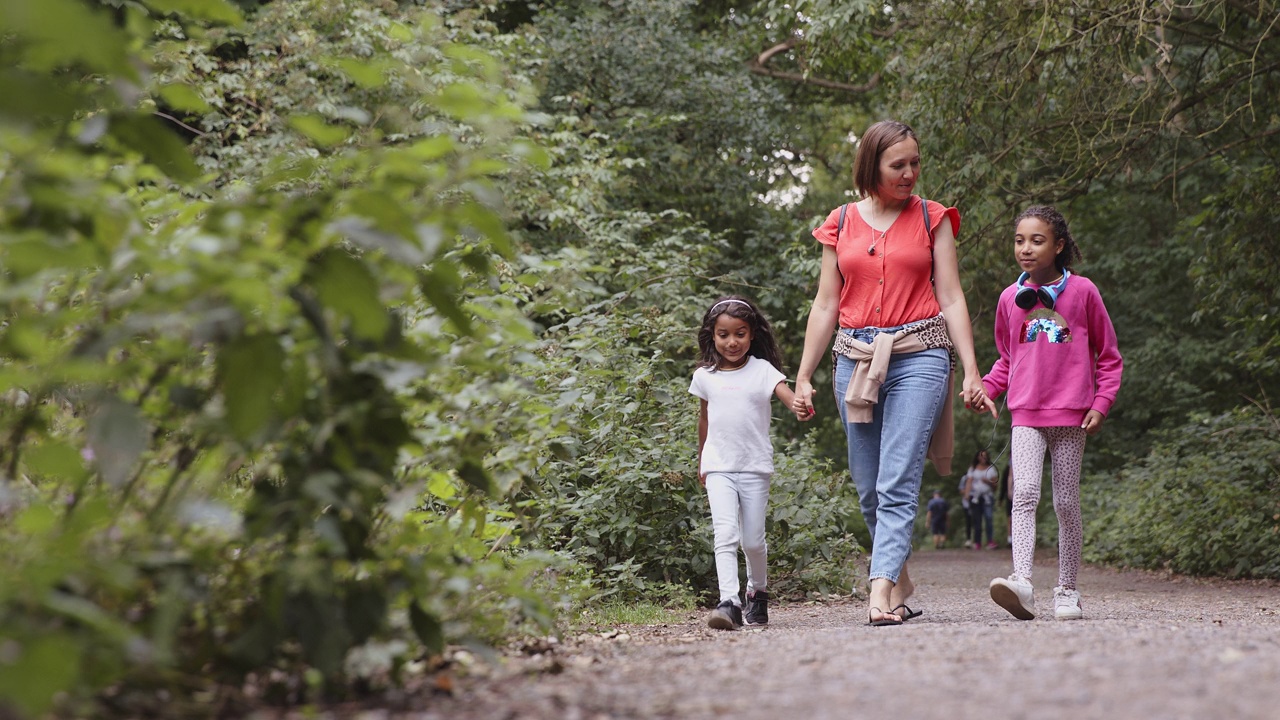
739,501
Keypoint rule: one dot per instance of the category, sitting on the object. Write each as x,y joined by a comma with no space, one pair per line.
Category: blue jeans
886,455
981,509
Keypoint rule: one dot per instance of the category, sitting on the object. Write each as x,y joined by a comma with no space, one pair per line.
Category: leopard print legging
1066,452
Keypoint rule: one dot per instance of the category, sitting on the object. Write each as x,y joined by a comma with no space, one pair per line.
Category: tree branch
175,120
1216,151
757,65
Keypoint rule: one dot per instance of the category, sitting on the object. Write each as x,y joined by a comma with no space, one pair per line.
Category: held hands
1093,422
975,397
802,405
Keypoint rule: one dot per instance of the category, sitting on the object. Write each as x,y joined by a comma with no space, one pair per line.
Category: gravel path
1149,646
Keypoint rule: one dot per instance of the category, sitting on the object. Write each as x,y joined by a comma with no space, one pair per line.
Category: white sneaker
1066,604
1016,595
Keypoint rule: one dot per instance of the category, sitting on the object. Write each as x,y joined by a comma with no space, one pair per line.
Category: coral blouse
894,286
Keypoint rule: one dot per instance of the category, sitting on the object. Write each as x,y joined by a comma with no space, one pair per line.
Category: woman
893,285
980,488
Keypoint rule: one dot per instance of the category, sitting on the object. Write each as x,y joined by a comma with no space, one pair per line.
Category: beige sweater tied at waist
872,362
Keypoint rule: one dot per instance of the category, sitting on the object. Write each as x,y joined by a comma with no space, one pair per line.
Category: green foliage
1235,273
213,381
1203,502
320,350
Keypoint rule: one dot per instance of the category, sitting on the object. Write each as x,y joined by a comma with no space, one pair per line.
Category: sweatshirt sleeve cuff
1102,405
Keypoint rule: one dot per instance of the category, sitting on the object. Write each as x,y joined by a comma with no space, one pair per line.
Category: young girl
739,370
1061,367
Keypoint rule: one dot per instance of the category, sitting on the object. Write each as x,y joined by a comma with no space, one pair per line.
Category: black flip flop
908,614
882,621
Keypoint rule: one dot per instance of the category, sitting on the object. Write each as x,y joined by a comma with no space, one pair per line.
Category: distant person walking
980,488
739,372
936,519
1061,366
890,281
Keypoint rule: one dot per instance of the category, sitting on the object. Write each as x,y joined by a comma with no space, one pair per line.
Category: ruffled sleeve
826,232
937,212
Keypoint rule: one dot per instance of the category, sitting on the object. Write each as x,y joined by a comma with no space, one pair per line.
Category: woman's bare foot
903,590
878,600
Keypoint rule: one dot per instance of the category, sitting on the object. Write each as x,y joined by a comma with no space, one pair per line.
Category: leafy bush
1205,501
221,407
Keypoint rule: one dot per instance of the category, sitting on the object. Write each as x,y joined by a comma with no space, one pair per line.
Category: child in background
1061,366
739,371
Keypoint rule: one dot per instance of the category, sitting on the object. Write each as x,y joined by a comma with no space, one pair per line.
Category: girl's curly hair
1048,214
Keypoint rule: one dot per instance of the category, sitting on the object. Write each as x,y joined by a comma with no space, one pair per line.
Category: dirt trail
1149,647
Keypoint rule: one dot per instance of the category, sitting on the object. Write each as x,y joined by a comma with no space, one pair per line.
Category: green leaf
29,95
117,436
475,475
432,148
36,520
56,460
344,284
315,129
427,627
388,214
28,257
152,138
218,11
463,101
366,75
183,97
440,286
63,32
442,487
250,371
36,670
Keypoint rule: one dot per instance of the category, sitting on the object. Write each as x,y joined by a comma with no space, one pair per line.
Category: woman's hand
975,396
1093,422
802,406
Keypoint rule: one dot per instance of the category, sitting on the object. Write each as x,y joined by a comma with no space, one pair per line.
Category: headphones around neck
1048,295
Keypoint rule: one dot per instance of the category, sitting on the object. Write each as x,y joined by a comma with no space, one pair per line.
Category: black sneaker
726,616
758,608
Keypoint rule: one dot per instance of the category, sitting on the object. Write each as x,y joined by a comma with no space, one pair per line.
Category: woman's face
899,170
984,458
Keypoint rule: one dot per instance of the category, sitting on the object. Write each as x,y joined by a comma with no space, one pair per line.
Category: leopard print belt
932,333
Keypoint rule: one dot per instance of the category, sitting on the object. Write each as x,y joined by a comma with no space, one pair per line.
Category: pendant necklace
871,250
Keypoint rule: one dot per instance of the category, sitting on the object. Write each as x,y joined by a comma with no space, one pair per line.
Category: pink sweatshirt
1056,364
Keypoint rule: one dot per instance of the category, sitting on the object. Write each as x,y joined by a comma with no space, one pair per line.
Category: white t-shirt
984,489
737,416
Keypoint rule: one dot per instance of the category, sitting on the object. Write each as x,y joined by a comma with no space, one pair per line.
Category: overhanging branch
758,65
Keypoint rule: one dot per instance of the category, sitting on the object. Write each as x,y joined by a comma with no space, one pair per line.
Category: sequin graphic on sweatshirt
1048,323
